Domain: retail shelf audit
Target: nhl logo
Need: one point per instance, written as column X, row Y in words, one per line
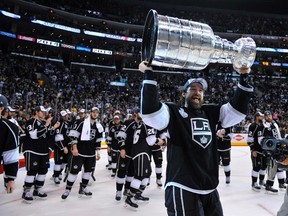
column 201, row 131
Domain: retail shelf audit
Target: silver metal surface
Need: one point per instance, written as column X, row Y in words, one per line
column 178, row 43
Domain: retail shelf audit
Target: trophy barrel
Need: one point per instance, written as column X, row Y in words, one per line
column 178, row 43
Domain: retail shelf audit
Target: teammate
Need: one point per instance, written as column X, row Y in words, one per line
column 109, row 124
column 126, row 169
column 12, row 118
column 9, row 142
column 113, row 143
column 82, row 114
column 61, row 147
column 86, row 138
column 144, row 137
column 271, row 129
column 224, row 150
column 259, row 161
column 36, row 153
column 157, row 155
column 192, row 174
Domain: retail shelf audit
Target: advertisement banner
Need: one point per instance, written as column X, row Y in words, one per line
column 239, row 139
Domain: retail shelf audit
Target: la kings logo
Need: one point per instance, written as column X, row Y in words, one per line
column 92, row 134
column 201, row 131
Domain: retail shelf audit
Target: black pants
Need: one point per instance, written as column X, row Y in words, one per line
column 180, row 202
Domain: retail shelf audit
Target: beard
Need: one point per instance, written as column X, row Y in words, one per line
column 192, row 105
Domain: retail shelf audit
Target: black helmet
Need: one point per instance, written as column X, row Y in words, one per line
column 3, row 101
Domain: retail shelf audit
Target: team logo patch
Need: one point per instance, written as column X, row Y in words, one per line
column 92, row 134
column 201, row 131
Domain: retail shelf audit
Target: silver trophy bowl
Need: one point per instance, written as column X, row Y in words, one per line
column 179, row 43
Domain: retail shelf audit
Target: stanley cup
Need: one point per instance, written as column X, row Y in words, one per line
column 178, row 43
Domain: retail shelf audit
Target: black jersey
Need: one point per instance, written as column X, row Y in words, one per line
column 224, row 143
column 37, row 137
column 192, row 139
column 51, row 134
column 109, row 124
column 86, row 148
column 126, row 135
column 161, row 135
column 61, row 138
column 113, row 136
column 144, row 137
column 9, row 142
column 192, row 156
column 255, row 135
column 271, row 129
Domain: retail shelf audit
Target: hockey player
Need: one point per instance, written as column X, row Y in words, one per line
column 36, row 153
column 259, row 162
column 125, row 168
column 12, row 118
column 192, row 174
column 9, row 142
column 224, row 149
column 157, row 155
column 61, row 147
column 271, row 129
column 86, row 138
column 144, row 137
column 113, row 143
column 108, row 124
column 82, row 114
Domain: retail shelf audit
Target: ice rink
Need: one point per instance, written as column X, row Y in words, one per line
column 237, row 198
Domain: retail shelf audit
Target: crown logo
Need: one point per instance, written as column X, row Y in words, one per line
column 203, row 140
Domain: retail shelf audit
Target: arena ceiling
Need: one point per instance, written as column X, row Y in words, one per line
column 263, row 6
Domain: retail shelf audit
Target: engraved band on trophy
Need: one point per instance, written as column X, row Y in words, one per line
column 178, row 43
